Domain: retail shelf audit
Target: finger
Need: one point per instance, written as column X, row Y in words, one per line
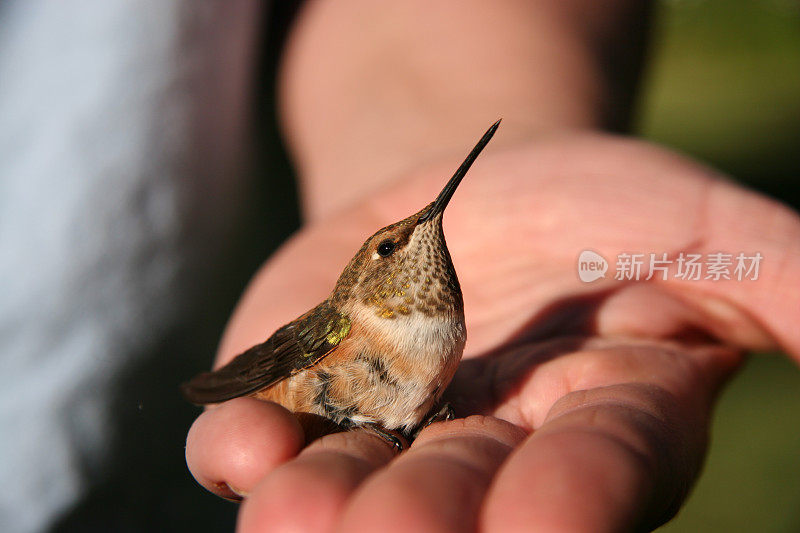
column 527, row 381
column 743, row 222
column 309, row 492
column 231, row 447
column 616, row 458
column 439, row 483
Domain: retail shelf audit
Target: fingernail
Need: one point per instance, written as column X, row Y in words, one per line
column 229, row 493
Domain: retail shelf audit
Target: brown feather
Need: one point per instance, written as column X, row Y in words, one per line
column 294, row 347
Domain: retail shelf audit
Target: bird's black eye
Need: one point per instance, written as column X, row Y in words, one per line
column 386, row 248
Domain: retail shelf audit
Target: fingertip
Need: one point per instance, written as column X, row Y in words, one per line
column 231, row 447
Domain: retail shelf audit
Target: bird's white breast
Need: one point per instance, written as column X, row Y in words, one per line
column 430, row 346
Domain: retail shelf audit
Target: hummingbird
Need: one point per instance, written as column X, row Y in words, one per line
column 378, row 353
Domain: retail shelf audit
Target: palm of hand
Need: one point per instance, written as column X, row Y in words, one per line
column 586, row 404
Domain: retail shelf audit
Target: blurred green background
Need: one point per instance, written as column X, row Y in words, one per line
column 723, row 85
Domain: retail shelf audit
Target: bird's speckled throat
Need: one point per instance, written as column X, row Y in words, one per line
column 419, row 278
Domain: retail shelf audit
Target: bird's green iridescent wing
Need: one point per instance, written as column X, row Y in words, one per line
column 294, row 347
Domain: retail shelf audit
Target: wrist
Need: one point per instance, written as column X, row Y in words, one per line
column 366, row 104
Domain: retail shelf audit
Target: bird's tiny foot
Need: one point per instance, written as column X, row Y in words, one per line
column 444, row 413
column 395, row 439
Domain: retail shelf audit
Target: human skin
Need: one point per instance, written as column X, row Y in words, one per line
column 582, row 407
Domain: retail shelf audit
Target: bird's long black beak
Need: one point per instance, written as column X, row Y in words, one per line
column 442, row 200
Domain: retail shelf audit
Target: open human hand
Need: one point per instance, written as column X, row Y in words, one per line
column 582, row 406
